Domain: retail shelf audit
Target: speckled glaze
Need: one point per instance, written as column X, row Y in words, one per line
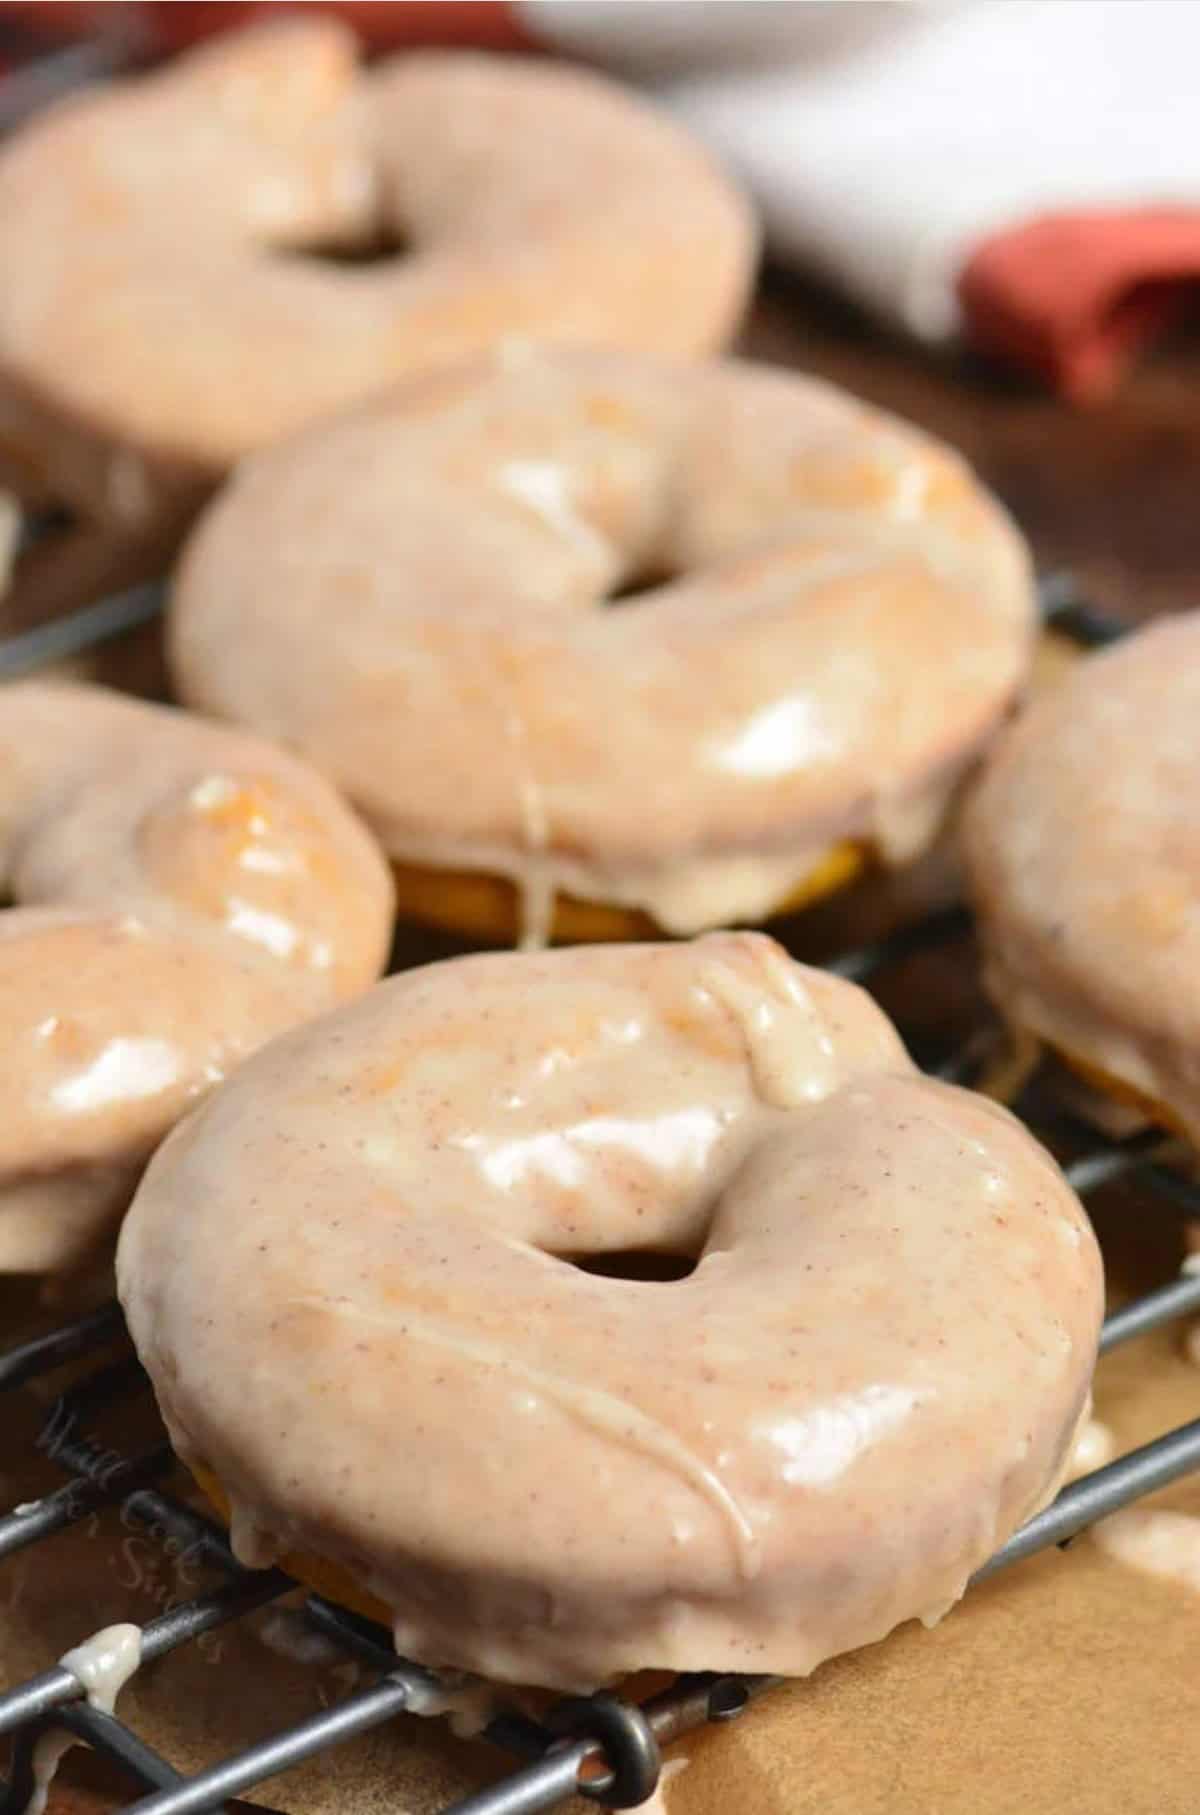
column 349, row 1275
column 851, row 617
column 154, row 324
column 1083, row 848
column 183, row 892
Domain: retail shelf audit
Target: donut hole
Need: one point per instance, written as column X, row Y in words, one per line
column 647, row 1266
column 633, row 587
column 382, row 245
column 636, row 585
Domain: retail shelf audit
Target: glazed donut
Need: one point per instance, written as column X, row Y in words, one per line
column 157, row 319
column 350, row 1277
column 1083, row 855
column 844, row 618
column 183, row 892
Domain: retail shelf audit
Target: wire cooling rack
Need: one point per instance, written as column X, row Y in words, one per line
column 603, row 1747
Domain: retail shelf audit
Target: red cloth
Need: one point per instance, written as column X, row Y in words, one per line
column 1075, row 297
column 483, row 23
column 53, row 20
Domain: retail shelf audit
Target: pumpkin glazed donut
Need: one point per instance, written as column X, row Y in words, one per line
column 350, row 1277
column 159, row 316
column 1083, row 857
column 182, row 893
column 837, row 618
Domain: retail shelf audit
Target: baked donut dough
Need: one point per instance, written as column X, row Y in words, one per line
column 156, row 321
column 409, row 595
column 183, row 892
column 350, row 1277
column 1083, row 853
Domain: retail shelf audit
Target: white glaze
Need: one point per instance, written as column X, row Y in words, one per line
column 158, row 213
column 105, row 1662
column 103, row 1665
column 1083, row 856
column 349, row 1278
column 468, row 1706
column 182, row 892
column 1094, row 1446
column 823, row 667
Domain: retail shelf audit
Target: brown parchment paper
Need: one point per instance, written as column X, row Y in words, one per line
column 1070, row 1684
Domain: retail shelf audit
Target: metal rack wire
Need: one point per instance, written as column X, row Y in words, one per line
column 603, row 1747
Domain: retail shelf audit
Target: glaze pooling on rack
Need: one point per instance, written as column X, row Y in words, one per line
column 102, row 1665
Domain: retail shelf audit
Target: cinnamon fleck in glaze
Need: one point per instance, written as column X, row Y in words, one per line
column 182, row 892
column 1083, row 849
column 160, row 317
column 418, row 587
column 351, row 1278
